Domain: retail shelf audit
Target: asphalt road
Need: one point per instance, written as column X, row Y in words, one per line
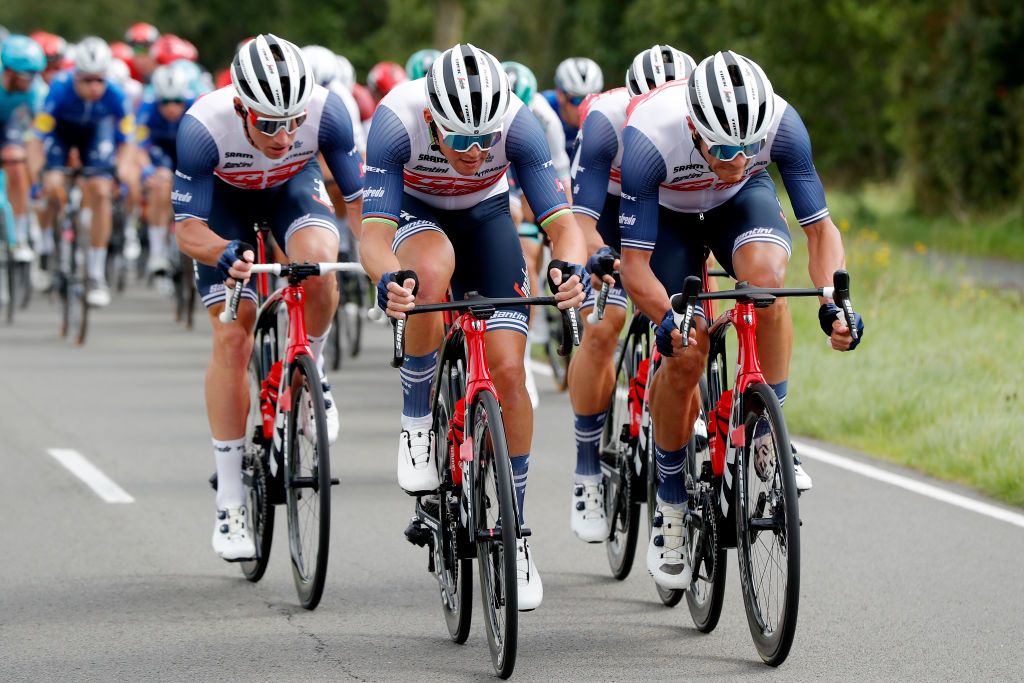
column 895, row 586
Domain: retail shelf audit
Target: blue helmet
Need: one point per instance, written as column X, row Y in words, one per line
column 21, row 53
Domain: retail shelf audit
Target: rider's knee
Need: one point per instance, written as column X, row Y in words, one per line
column 508, row 372
column 101, row 188
column 602, row 338
column 12, row 154
column 232, row 341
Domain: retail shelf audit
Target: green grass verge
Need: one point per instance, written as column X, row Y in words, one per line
column 885, row 209
column 936, row 384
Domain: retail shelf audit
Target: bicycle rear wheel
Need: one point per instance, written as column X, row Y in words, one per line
column 9, row 284
column 332, row 348
column 255, row 474
column 351, row 309
column 559, row 364
column 495, row 526
column 706, row 552
column 619, row 445
column 308, row 482
column 453, row 567
column 767, row 526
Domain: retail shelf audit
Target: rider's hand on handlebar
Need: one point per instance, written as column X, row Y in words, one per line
column 396, row 299
column 602, row 266
column 236, row 261
column 834, row 325
column 669, row 339
column 569, row 294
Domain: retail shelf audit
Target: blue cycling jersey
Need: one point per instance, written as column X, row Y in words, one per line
column 64, row 108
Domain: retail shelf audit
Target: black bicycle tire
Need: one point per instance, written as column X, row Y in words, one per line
column 559, row 365
column 9, row 266
column 310, row 591
column 774, row 649
column 354, row 330
column 81, row 279
column 261, row 510
column 707, row 614
column 23, row 274
column 457, row 620
column 621, row 563
column 486, row 419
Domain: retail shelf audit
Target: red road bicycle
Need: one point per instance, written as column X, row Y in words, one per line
column 474, row 513
column 287, row 456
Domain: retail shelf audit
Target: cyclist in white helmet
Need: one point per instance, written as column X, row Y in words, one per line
column 247, row 153
column 693, row 177
column 85, row 111
column 596, row 189
column 437, row 204
column 575, row 78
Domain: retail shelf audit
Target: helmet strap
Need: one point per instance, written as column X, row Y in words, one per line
column 434, row 146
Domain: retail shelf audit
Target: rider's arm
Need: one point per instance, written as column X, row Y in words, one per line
column 643, row 170
column 791, row 151
column 590, row 172
column 387, row 150
column 193, row 193
column 342, row 157
column 527, row 149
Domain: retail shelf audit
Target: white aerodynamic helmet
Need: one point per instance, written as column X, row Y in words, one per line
column 118, row 72
column 171, row 83
column 730, row 100
column 323, row 62
column 92, row 56
column 467, row 91
column 272, row 76
column 578, row 76
column 656, row 66
column 346, row 72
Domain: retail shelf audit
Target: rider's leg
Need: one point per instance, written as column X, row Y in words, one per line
column 13, row 158
column 158, row 192
column 97, row 192
column 763, row 264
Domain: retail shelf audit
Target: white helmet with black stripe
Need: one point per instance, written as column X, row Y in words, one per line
column 346, row 72
column 171, row 83
column 467, row 91
column 323, row 62
column 656, row 66
column 730, row 101
column 578, row 76
column 272, row 77
column 92, row 56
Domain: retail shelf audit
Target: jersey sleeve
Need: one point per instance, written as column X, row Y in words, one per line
column 593, row 165
column 527, row 149
column 643, row 170
column 387, row 150
column 338, row 146
column 46, row 119
column 193, row 178
column 552, row 127
column 143, row 134
column 124, row 120
column 791, row 151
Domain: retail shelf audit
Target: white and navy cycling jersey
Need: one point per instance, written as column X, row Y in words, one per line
column 661, row 166
column 596, row 171
column 552, row 127
column 212, row 143
column 339, row 89
column 401, row 159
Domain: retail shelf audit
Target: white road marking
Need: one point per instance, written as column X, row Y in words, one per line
column 1002, row 514
column 103, row 485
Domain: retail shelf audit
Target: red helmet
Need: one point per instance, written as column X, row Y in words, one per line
column 54, row 47
column 122, row 51
column 364, row 99
column 170, row 48
column 141, row 35
column 223, row 78
column 383, row 77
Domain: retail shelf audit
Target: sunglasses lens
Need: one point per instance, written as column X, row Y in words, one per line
column 730, row 152
column 462, row 143
column 271, row 126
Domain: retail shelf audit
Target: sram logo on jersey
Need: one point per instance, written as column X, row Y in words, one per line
column 181, row 197
column 687, row 167
column 626, row 220
column 241, row 155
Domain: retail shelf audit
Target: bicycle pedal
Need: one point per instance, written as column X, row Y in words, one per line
column 213, row 481
column 335, row 481
column 524, row 532
column 417, row 533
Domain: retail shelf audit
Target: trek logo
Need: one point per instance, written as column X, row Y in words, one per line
column 626, row 220
column 628, row 197
column 181, row 197
column 375, row 192
column 237, row 164
column 228, row 155
column 182, row 175
column 372, row 169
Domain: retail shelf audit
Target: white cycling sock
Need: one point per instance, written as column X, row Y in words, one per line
column 316, row 345
column 21, row 228
column 228, row 456
column 98, row 263
column 46, row 241
column 157, row 241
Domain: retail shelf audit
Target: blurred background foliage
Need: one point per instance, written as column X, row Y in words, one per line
column 929, row 92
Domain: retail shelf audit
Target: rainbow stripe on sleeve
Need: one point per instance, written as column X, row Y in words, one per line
column 552, row 214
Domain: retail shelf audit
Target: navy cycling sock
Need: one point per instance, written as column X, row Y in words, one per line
column 520, row 465
column 780, row 390
column 417, row 375
column 670, row 475
column 588, row 442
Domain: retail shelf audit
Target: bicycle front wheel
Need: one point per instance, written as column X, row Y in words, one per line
column 767, row 526
column 308, row 482
column 494, row 513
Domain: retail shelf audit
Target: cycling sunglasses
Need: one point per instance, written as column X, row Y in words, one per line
column 173, row 101
column 269, row 127
column 90, row 79
column 463, row 143
column 729, row 152
column 577, row 100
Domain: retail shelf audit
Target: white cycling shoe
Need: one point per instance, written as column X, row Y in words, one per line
column 331, row 410
column 231, row 537
column 530, row 589
column 98, row 294
column 417, row 472
column 588, row 520
column 666, row 553
column 23, row 254
column 803, row 480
